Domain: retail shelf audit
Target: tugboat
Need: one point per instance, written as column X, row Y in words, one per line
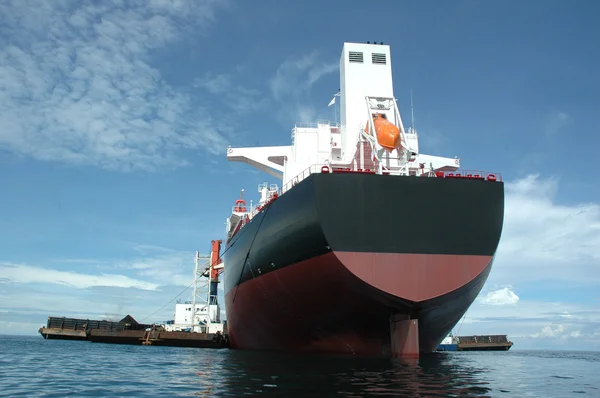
column 450, row 343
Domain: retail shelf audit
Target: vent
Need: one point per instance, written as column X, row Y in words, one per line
column 377, row 58
column 355, row 56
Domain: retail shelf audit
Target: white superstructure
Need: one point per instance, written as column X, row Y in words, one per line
column 450, row 339
column 203, row 313
column 366, row 93
column 184, row 314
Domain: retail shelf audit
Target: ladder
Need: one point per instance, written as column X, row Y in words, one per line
column 150, row 336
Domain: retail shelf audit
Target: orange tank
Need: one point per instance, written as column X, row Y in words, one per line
column 388, row 135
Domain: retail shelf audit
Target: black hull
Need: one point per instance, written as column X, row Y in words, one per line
column 328, row 218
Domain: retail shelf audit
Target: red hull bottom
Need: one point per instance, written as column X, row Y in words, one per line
column 355, row 303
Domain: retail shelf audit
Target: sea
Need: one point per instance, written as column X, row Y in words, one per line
column 33, row 367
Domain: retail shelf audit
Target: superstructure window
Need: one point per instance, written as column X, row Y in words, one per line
column 378, row 58
column 355, row 56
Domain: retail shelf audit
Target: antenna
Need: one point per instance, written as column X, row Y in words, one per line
column 333, row 103
column 412, row 112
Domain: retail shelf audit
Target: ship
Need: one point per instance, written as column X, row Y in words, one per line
column 449, row 343
column 367, row 246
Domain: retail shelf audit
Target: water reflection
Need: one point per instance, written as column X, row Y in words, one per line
column 275, row 374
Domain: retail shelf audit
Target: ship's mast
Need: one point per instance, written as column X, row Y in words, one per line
column 333, row 103
column 193, row 319
column 199, row 285
column 412, row 111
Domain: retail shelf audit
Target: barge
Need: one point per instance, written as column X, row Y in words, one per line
column 196, row 323
column 127, row 332
column 493, row 342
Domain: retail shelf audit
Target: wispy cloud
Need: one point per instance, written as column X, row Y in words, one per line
column 152, row 266
column 161, row 265
column 298, row 74
column 543, row 240
column 37, row 303
column 16, row 328
column 294, row 78
column 232, row 92
column 77, row 83
column 556, row 122
column 20, row 273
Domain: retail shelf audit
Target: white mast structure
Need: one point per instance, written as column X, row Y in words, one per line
column 205, row 292
column 201, row 294
column 366, row 88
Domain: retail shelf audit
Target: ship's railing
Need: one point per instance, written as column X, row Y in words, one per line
column 250, row 210
column 470, row 174
column 315, row 168
column 313, row 125
column 242, row 209
column 254, row 210
column 498, row 338
column 322, row 168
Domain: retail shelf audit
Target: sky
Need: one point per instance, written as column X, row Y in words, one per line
column 115, row 117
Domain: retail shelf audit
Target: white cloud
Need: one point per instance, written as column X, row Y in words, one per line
column 20, row 273
column 562, row 334
column 231, row 93
column 16, row 328
column 164, row 266
column 575, row 334
column 171, row 267
column 77, row 83
column 154, row 266
column 503, row 296
column 550, row 331
column 293, row 80
column 567, row 315
column 556, row 122
column 546, row 241
column 298, row 74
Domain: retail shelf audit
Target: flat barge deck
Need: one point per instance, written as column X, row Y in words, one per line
column 127, row 331
column 494, row 342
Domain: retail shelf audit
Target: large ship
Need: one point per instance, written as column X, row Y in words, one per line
column 369, row 247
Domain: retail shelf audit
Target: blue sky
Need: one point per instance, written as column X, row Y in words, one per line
column 115, row 118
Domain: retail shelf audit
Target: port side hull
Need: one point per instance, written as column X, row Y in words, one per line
column 323, row 267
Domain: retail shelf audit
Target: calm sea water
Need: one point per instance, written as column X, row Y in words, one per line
column 34, row 367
